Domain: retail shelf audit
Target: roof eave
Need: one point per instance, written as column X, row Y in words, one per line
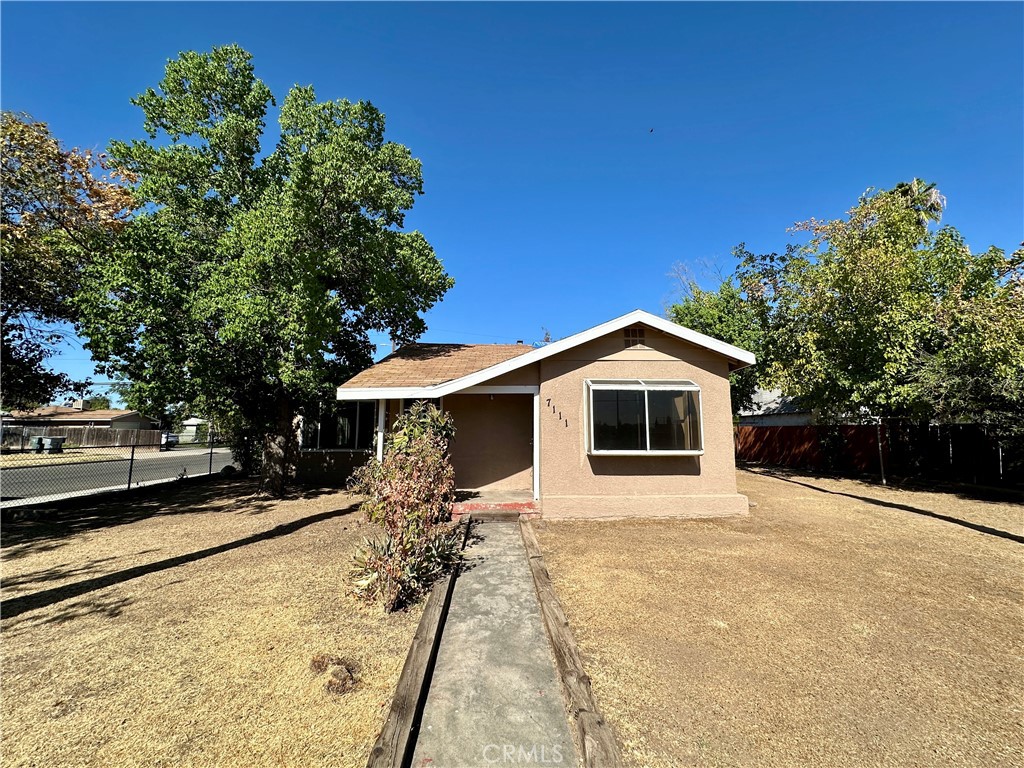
column 425, row 392
column 739, row 358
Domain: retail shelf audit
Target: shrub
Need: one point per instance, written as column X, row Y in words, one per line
column 409, row 493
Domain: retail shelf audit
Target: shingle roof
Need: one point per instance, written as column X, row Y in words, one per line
column 445, row 370
column 771, row 402
column 418, row 365
column 46, row 410
column 64, row 413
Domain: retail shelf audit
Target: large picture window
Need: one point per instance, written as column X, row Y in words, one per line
column 645, row 417
column 340, row 425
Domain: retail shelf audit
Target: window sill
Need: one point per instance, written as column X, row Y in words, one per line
column 646, row 453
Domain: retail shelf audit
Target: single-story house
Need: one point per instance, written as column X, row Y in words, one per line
column 77, row 416
column 771, row 408
column 194, row 429
column 629, row 418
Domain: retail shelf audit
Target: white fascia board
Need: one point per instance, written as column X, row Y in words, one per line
column 698, row 339
column 387, row 393
column 556, row 347
column 427, row 393
column 741, row 356
column 525, row 389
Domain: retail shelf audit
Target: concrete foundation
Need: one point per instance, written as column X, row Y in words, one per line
column 612, row 507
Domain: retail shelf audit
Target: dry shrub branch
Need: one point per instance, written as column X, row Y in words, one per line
column 409, row 493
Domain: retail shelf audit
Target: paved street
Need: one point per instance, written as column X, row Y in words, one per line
column 21, row 483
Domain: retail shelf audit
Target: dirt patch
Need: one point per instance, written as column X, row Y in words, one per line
column 322, row 662
column 343, row 673
column 182, row 632
column 839, row 624
column 342, row 680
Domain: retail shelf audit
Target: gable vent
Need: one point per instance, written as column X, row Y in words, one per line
column 633, row 337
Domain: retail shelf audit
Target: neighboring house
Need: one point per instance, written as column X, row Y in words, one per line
column 193, row 429
column 75, row 416
column 631, row 417
column 771, row 408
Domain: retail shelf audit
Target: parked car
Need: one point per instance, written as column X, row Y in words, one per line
column 168, row 440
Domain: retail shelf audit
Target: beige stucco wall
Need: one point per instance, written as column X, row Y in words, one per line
column 575, row 484
column 527, row 376
column 493, row 446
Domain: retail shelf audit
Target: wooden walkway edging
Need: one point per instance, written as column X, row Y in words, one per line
column 397, row 741
column 595, row 736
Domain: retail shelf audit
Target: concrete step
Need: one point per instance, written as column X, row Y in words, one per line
column 490, row 511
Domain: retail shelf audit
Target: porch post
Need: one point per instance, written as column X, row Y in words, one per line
column 536, row 445
column 380, row 429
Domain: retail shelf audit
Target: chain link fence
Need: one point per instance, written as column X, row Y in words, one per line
column 37, row 468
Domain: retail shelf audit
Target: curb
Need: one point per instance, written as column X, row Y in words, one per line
column 595, row 737
column 397, row 740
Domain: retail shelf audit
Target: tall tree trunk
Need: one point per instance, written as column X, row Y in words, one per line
column 278, row 449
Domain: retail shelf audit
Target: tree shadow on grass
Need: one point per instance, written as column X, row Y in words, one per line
column 16, row 606
column 51, row 527
column 983, row 493
column 109, row 606
column 58, row 572
column 788, row 478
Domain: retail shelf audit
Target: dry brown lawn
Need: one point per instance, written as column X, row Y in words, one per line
column 182, row 630
column 837, row 625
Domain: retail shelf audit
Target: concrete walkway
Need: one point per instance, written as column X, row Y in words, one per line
column 495, row 698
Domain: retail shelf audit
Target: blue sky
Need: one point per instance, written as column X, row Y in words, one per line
column 547, row 196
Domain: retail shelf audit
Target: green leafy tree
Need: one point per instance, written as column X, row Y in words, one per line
column 877, row 314
column 976, row 375
column 723, row 314
column 97, row 403
column 246, row 286
column 60, row 207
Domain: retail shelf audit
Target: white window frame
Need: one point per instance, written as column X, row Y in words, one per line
column 645, row 386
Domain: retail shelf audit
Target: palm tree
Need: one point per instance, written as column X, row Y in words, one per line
column 923, row 198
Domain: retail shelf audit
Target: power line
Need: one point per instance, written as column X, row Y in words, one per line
column 470, row 333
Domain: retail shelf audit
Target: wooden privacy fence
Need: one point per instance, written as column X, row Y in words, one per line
column 83, row 437
column 950, row 452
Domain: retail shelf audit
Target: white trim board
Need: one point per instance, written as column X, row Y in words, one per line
column 525, row 389
column 740, row 357
column 536, row 445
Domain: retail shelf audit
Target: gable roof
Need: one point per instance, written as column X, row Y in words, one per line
column 422, row 387
column 66, row 413
column 418, row 365
column 771, row 402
